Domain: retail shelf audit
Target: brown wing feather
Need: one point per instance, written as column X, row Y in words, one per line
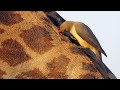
column 85, row 32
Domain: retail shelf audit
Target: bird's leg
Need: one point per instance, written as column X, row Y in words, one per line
column 81, row 48
column 88, row 52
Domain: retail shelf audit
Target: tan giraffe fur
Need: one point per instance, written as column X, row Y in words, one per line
column 30, row 48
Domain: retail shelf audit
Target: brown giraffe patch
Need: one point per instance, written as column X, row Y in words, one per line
column 2, row 73
column 46, row 22
column 89, row 66
column 58, row 67
column 88, row 76
column 1, row 31
column 38, row 39
column 9, row 17
column 12, row 53
column 33, row 74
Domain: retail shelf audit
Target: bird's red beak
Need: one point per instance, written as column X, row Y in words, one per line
column 60, row 31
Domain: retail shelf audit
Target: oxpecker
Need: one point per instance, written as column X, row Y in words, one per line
column 85, row 37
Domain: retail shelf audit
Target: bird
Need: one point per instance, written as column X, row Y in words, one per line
column 86, row 38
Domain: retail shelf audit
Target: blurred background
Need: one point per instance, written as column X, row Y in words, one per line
column 106, row 27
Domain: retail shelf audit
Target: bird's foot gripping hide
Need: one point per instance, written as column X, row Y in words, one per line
column 82, row 48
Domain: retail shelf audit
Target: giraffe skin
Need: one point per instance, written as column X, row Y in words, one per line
column 31, row 49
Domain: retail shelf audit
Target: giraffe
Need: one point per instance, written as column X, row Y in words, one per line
column 31, row 49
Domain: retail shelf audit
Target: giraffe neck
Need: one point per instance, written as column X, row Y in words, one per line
column 29, row 48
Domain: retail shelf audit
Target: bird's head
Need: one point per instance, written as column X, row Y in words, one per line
column 65, row 26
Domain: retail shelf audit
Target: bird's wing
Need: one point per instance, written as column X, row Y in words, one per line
column 85, row 33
